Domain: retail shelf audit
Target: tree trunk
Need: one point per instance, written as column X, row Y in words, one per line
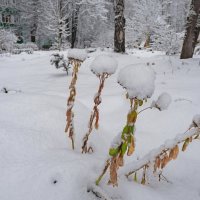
column 60, row 31
column 119, row 38
column 196, row 33
column 74, row 26
column 191, row 33
column 34, row 27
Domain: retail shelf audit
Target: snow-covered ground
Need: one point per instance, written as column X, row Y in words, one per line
column 36, row 160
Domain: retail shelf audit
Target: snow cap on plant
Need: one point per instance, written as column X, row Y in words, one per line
column 104, row 64
column 77, row 54
column 138, row 80
column 163, row 102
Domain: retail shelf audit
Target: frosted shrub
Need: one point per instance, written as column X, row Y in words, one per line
column 103, row 67
column 167, row 40
column 76, row 58
column 28, row 45
column 59, row 62
column 155, row 161
column 7, row 40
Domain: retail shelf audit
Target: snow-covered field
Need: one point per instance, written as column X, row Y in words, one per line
column 36, row 160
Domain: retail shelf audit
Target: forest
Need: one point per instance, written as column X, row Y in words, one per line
column 61, row 24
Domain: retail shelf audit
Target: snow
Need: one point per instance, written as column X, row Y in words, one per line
column 138, row 80
column 35, row 152
column 116, row 141
column 78, row 54
column 104, row 64
column 163, row 101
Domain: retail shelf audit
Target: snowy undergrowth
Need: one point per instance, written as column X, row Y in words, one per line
column 36, row 161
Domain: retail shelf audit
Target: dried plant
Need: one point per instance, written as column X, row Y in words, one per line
column 70, row 102
column 94, row 117
column 158, row 159
column 124, row 144
column 103, row 66
column 130, row 78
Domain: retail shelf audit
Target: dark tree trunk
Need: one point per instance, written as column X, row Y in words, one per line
column 74, row 26
column 196, row 33
column 34, row 27
column 119, row 38
column 191, row 33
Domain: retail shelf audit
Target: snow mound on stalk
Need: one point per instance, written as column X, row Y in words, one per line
column 138, row 80
column 78, row 54
column 104, row 64
column 163, row 101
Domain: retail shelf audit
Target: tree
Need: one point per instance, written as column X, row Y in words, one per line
column 145, row 19
column 119, row 35
column 30, row 14
column 75, row 7
column 191, row 30
column 196, row 32
column 93, row 22
column 56, row 19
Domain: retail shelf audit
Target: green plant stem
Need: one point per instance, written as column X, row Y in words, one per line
column 144, row 109
column 104, row 171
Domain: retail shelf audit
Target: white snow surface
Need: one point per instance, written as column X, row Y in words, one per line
column 104, row 64
column 78, row 54
column 138, row 80
column 36, row 160
column 163, row 101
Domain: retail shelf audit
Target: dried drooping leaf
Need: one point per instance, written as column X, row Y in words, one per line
column 171, row 154
column 132, row 117
column 164, row 161
column 143, row 182
column 135, row 177
column 157, row 163
column 176, row 152
column 97, row 120
column 113, row 172
column 131, row 148
column 186, row 143
column 120, row 160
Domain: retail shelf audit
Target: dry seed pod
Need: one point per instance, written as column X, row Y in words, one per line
column 176, row 152
column 185, row 144
column 131, row 148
